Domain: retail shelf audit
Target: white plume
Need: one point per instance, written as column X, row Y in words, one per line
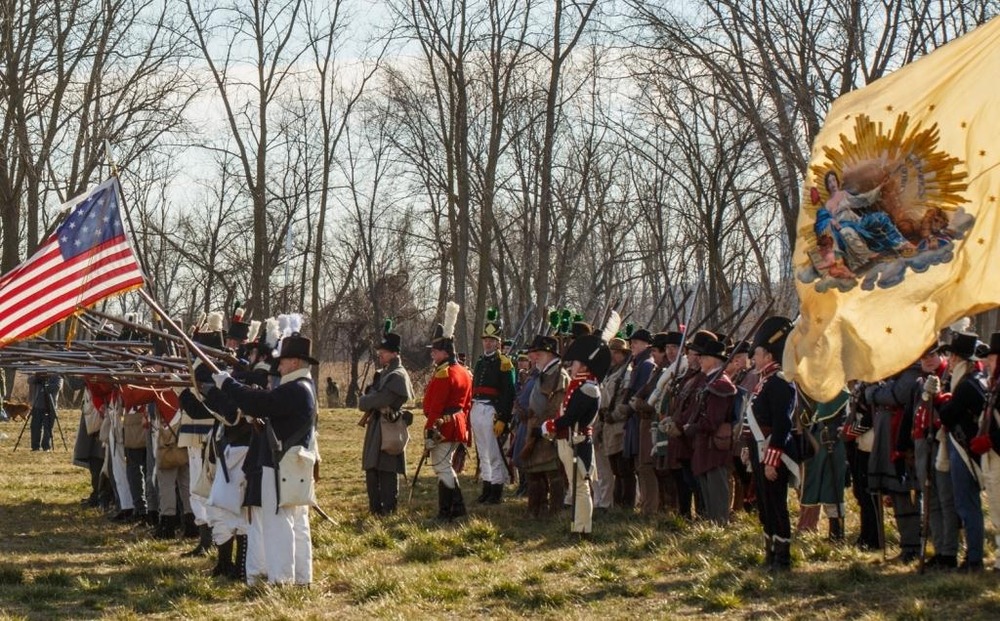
column 287, row 324
column 271, row 332
column 962, row 325
column 213, row 323
column 254, row 328
column 196, row 327
column 450, row 319
column 611, row 327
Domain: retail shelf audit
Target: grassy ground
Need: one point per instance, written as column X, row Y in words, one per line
column 58, row 560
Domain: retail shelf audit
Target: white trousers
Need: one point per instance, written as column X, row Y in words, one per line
column 583, row 511
column 226, row 513
column 287, row 537
column 491, row 467
column 197, row 502
column 256, row 562
column 440, row 458
column 116, row 452
column 604, row 481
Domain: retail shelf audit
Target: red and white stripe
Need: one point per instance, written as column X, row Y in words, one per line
column 46, row 289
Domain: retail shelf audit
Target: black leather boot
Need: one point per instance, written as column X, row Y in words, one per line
column 457, row 502
column 190, row 527
column 782, row 555
column 444, row 501
column 836, row 530
column 487, row 492
column 224, row 565
column 239, row 571
column 768, row 551
column 204, row 542
column 167, row 528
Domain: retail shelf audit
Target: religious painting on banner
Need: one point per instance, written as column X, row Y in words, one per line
column 896, row 233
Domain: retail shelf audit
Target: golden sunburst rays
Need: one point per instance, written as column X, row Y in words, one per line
column 905, row 167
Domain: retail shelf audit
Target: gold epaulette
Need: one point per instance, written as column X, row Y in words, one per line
column 506, row 364
column 442, row 371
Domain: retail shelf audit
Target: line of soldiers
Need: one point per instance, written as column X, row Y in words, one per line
column 654, row 421
column 230, row 459
column 925, row 443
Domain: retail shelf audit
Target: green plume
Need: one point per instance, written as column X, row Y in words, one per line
column 491, row 314
column 629, row 329
column 387, row 326
column 554, row 320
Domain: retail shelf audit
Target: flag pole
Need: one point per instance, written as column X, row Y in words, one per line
column 128, row 216
column 192, row 347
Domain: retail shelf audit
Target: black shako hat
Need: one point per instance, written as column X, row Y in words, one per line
column 995, row 343
column 542, row 342
column 390, row 342
column 591, row 351
column 295, row 346
column 771, row 335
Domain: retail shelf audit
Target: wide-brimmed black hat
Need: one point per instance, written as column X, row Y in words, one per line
column 642, row 334
column 743, row 347
column 699, row 339
column 542, row 342
column 660, row 340
column 772, row 335
column 674, row 337
column 295, row 346
column 591, row 351
column 715, row 349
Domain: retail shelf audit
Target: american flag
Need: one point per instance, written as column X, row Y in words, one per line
column 86, row 259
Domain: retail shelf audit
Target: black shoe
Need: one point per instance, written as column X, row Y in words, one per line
column 939, row 561
column 970, row 568
column 204, row 542
column 152, row 518
column 495, row 495
column 487, row 492
column 125, row 515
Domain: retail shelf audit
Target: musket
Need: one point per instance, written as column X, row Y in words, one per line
column 656, row 309
column 708, row 315
column 416, row 473
column 925, row 500
column 677, row 309
column 520, row 327
column 218, row 354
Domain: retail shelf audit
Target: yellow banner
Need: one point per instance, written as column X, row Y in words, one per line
column 898, row 233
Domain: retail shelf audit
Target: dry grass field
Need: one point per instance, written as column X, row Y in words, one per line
column 58, row 560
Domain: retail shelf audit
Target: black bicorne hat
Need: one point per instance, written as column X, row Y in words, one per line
column 591, row 351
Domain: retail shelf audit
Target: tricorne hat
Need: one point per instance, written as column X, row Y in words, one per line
column 715, row 349
column 642, row 334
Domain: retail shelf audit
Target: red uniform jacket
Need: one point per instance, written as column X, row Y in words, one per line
column 449, row 392
column 166, row 400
